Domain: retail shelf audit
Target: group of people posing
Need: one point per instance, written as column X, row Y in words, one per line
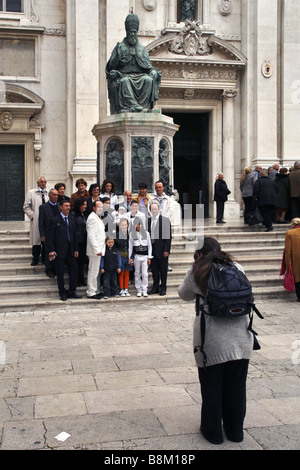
column 117, row 241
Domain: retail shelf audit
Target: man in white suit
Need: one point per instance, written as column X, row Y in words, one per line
column 95, row 249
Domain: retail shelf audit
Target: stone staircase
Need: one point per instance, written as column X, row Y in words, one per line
column 260, row 253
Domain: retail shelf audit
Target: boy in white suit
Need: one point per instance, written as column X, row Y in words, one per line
column 95, row 248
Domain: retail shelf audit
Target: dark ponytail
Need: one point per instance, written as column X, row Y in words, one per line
column 209, row 253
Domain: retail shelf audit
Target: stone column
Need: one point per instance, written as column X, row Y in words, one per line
column 172, row 14
column 205, row 17
column 83, row 86
column 231, row 207
column 228, row 139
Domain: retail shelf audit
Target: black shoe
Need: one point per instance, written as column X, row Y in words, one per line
column 96, row 296
column 212, row 440
column 34, row 262
column 163, row 292
column 50, row 274
column 63, row 297
column 153, row 292
column 74, row 296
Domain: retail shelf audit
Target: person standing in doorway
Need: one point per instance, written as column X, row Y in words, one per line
column 221, row 196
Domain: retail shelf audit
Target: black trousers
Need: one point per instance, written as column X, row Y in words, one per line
column 71, row 263
column 49, row 264
column 248, row 201
column 297, row 289
column 37, row 250
column 295, row 206
column 110, row 283
column 223, row 389
column 220, row 210
column 159, row 269
column 266, row 212
column 81, row 261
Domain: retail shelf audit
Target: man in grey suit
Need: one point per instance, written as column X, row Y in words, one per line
column 46, row 212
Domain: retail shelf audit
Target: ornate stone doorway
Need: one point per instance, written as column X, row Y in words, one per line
column 191, row 159
column 11, row 182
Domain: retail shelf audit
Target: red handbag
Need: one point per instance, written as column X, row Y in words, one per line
column 288, row 281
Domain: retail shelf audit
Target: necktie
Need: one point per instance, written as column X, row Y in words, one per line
column 67, row 222
column 43, row 197
column 153, row 227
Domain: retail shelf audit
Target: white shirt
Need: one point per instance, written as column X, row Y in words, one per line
column 165, row 204
column 139, row 240
column 113, row 199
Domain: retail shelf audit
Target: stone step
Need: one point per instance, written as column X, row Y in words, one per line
column 259, row 252
column 25, row 302
column 42, row 286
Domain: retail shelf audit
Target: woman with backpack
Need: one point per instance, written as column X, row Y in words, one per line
column 223, row 368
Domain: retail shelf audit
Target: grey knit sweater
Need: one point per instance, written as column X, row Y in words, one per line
column 226, row 339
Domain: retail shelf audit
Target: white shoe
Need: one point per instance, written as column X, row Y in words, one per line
column 145, row 294
column 105, row 297
column 126, row 293
column 139, row 294
column 122, row 292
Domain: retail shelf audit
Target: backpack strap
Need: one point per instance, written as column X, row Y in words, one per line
column 252, row 305
column 200, row 308
column 256, row 343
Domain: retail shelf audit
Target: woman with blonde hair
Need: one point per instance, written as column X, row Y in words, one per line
column 246, row 187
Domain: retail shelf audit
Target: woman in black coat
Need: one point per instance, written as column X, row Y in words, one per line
column 264, row 194
column 80, row 216
column 220, row 196
column 282, row 205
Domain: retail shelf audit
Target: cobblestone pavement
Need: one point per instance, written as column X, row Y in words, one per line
column 121, row 376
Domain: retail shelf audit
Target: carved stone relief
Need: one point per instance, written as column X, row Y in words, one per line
column 149, row 4
column 225, row 7
column 197, row 73
column 189, row 40
column 6, row 120
column 142, row 161
column 115, row 164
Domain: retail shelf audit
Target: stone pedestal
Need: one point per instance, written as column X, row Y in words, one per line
column 135, row 138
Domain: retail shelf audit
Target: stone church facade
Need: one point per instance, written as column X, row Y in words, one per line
column 230, row 80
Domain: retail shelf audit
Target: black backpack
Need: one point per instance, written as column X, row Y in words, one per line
column 229, row 294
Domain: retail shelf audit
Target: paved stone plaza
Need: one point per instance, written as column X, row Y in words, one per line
column 120, row 375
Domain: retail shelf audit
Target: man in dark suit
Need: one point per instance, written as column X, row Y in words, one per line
column 159, row 228
column 63, row 248
column 46, row 212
